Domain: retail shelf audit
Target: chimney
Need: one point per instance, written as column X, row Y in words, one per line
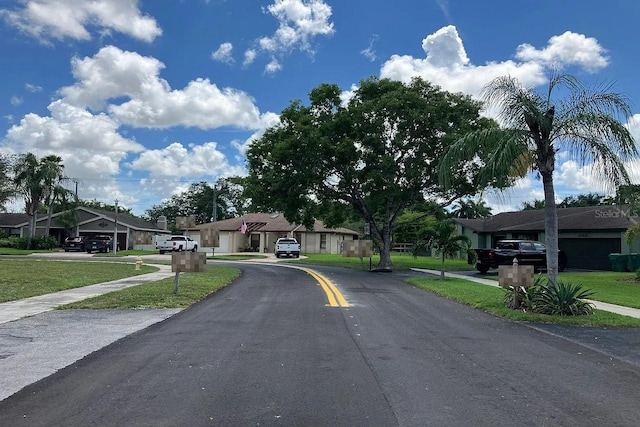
column 162, row 222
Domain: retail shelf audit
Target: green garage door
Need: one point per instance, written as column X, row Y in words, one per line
column 589, row 254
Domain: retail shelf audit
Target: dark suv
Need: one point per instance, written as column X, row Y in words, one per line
column 74, row 243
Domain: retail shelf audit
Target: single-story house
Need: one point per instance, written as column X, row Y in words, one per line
column 132, row 232
column 586, row 234
column 262, row 230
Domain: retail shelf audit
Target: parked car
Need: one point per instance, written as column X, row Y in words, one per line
column 177, row 244
column 74, row 243
column 287, row 246
column 527, row 252
column 99, row 243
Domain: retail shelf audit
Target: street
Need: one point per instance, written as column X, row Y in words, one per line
column 270, row 350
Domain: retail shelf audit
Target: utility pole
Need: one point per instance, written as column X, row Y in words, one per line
column 214, row 214
column 115, row 232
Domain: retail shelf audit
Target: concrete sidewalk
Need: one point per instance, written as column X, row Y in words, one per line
column 618, row 309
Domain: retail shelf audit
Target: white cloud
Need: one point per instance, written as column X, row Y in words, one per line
column 300, row 21
column 223, row 54
column 179, row 161
column 370, row 52
column 16, row 100
column 113, row 73
column 62, row 19
column 249, row 56
column 273, row 67
column 447, row 64
column 32, row 88
column 69, row 128
column 567, row 49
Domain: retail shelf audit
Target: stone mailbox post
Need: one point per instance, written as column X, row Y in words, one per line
column 188, row 262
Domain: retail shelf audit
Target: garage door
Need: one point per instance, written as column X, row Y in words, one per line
column 589, row 254
column 224, row 243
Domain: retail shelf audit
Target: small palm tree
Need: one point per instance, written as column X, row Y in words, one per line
column 37, row 180
column 536, row 126
column 444, row 238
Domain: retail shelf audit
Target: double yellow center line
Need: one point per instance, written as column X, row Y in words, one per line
column 333, row 294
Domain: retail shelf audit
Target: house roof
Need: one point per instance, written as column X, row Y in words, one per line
column 615, row 218
column 271, row 222
column 14, row 220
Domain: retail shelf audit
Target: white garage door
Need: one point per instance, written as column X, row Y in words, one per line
column 224, row 243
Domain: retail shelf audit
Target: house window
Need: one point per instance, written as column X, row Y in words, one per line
column 323, row 241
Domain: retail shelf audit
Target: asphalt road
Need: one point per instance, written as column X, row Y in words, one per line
column 268, row 350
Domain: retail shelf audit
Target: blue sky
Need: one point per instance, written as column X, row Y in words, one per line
column 142, row 98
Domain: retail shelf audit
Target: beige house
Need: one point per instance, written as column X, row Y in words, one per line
column 262, row 230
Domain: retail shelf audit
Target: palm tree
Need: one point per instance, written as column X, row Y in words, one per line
column 471, row 209
column 6, row 187
column 533, row 205
column 37, row 180
column 444, row 238
column 536, row 126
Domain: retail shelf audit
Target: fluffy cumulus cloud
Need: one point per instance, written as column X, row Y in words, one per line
column 116, row 74
column 115, row 88
column 177, row 160
column 70, row 19
column 567, row 49
column 300, row 22
column 446, row 62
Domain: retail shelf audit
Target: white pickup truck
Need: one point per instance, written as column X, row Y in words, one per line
column 287, row 246
column 177, row 244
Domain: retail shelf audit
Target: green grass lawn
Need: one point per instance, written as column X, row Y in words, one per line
column 12, row 251
column 193, row 287
column 608, row 286
column 399, row 261
column 23, row 278
column 491, row 299
column 239, row 257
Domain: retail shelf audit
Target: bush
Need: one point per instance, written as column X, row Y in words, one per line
column 563, row 299
column 14, row 243
column 39, row 242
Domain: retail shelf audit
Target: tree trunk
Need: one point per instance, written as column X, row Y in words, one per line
column 385, row 252
column 442, row 268
column 550, row 227
column 32, row 231
column 49, row 211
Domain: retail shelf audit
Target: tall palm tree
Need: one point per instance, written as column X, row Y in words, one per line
column 585, row 124
column 37, row 180
column 6, row 187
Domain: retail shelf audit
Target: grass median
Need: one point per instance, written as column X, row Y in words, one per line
column 400, row 262
column 193, row 287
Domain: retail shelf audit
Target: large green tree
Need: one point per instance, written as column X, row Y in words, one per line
column 371, row 157
column 38, row 181
column 198, row 201
column 583, row 123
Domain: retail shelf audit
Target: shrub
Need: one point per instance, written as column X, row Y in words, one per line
column 44, row 242
column 14, row 242
column 563, row 299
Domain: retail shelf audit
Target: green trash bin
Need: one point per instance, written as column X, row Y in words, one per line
column 619, row 262
column 634, row 262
